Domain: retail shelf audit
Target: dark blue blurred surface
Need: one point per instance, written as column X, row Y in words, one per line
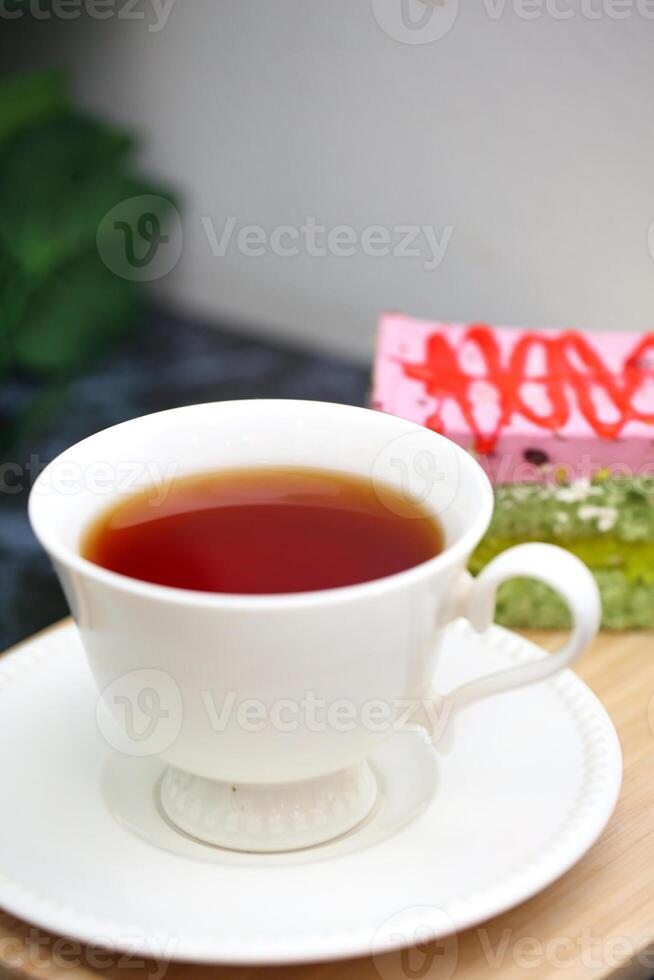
column 168, row 362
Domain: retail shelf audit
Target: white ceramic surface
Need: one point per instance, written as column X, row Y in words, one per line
column 278, row 817
column 528, row 784
column 373, row 642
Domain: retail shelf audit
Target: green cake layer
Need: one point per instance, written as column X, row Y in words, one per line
column 607, row 522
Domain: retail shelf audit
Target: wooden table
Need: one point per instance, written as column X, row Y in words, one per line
column 597, row 921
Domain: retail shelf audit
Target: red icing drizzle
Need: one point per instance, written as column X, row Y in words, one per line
column 572, row 368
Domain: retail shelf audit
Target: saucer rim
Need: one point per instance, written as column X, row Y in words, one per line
column 601, row 789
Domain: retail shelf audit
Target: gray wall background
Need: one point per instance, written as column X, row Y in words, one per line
column 529, row 133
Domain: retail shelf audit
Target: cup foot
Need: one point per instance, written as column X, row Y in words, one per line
column 261, row 818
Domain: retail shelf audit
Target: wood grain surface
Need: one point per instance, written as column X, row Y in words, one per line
column 596, row 921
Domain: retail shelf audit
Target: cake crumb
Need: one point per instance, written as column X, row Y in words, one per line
column 606, row 517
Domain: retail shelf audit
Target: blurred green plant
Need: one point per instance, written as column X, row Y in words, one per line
column 60, row 306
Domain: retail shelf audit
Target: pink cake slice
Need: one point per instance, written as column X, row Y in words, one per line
column 529, row 402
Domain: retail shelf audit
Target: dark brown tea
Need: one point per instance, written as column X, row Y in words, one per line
column 262, row 531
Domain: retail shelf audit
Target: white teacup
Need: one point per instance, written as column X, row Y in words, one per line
column 238, row 692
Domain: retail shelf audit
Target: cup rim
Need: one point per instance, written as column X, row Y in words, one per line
column 72, row 559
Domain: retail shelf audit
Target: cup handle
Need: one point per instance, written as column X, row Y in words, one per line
column 557, row 568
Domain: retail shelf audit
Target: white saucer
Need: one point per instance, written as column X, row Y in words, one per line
column 527, row 786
